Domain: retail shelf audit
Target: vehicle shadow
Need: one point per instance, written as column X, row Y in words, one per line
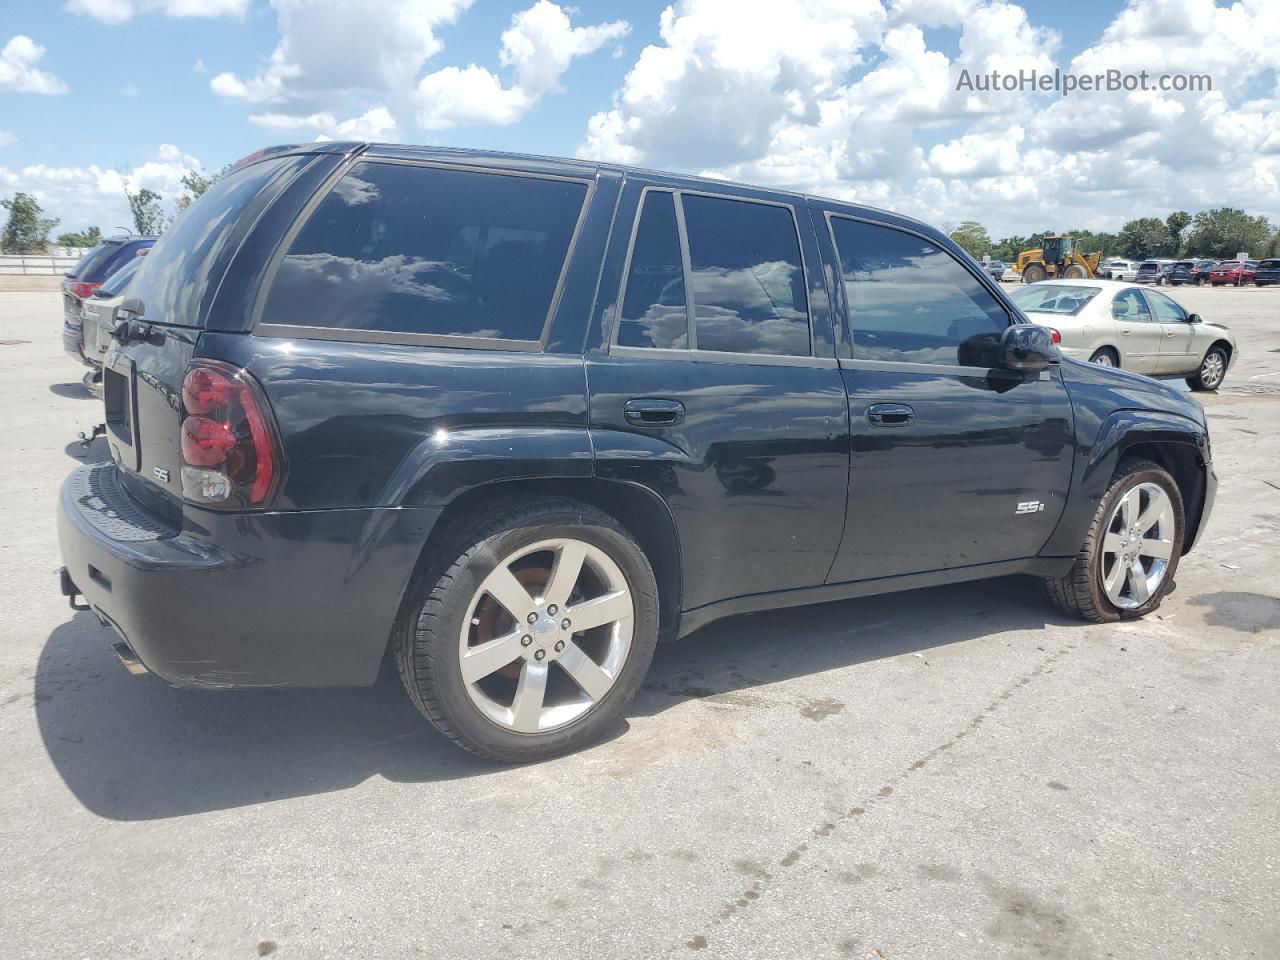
column 75, row 391
column 133, row 748
column 94, row 452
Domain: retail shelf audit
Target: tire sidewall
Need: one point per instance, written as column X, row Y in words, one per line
column 452, row 606
column 1199, row 377
column 1119, row 487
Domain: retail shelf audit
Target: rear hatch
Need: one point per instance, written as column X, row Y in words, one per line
column 160, row 321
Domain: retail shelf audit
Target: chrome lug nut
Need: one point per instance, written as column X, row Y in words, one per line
column 551, row 610
column 526, row 640
column 540, row 655
column 564, row 624
column 532, row 618
column 559, row 645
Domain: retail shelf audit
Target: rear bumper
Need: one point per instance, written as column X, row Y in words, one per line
column 239, row 600
column 73, row 341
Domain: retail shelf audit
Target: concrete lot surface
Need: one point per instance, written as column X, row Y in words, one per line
column 951, row 773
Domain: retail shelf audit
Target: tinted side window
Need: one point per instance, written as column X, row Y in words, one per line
column 184, row 268
column 912, row 302
column 747, row 277
column 89, row 264
column 653, row 307
column 410, row 249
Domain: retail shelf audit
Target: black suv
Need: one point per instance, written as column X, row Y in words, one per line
column 1267, row 273
column 513, row 420
column 1191, row 271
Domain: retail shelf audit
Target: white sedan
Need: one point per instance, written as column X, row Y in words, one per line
column 1137, row 328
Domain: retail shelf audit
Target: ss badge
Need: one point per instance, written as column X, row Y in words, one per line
column 160, row 473
column 1029, row 506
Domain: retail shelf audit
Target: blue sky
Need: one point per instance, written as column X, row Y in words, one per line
column 854, row 99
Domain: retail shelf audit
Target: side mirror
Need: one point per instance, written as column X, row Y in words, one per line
column 1027, row 347
column 1193, row 318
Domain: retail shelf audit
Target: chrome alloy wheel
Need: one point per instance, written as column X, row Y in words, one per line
column 1213, row 369
column 1104, row 360
column 1137, row 545
column 546, row 635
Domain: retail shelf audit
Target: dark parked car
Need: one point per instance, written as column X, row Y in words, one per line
column 80, row 337
column 1233, row 272
column 1155, row 271
column 995, row 268
column 79, row 283
column 1267, row 273
column 515, row 419
column 1191, row 272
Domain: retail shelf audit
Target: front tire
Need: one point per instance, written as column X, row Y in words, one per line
column 1130, row 554
column 1034, row 273
column 535, row 632
column 1105, row 357
column 1213, row 370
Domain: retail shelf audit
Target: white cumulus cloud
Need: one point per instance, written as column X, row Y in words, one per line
column 18, row 71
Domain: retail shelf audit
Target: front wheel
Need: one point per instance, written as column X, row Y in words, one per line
column 1034, row 273
column 537, row 634
column 1213, row 369
column 1130, row 552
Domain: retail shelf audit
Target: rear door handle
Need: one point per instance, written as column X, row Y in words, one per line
column 653, row 412
column 890, row 414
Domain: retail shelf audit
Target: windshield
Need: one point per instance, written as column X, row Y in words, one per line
column 1269, row 265
column 1183, row 263
column 1053, row 298
column 1228, row 264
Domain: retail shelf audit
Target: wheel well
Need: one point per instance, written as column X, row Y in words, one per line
column 1183, row 462
column 1106, row 347
column 640, row 511
column 1224, row 345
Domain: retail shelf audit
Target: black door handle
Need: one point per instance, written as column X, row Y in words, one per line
column 890, row 414
column 652, row 412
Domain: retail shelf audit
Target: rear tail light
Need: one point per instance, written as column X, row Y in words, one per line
column 1057, row 337
column 230, row 446
column 82, row 290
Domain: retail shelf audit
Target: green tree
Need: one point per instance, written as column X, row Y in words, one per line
column 148, row 219
column 1143, row 238
column 1008, row 248
column 88, row 238
column 1177, row 222
column 27, row 230
column 194, row 185
column 1224, row 232
column 973, row 237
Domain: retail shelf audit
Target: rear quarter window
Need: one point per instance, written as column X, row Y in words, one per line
column 180, row 275
column 409, row 250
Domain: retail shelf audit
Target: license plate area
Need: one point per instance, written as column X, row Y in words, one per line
column 120, row 398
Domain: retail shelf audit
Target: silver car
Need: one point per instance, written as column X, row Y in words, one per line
column 1122, row 325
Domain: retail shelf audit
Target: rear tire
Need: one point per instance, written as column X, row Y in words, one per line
column 1075, row 272
column 522, row 709
column 1118, row 575
column 1105, row 357
column 1213, row 370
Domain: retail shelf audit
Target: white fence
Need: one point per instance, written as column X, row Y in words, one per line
column 41, row 264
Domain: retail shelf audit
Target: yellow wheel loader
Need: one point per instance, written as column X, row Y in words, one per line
column 1057, row 257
